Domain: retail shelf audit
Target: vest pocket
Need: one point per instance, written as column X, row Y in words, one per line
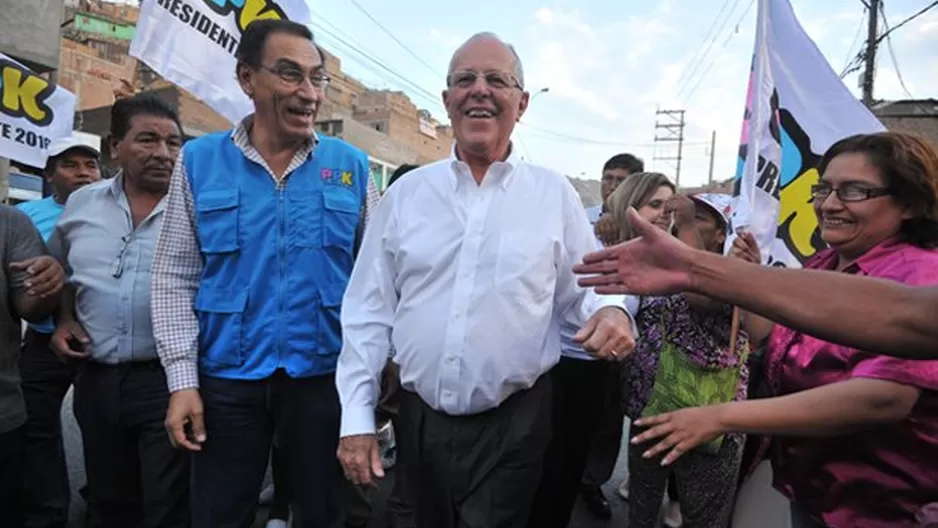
column 216, row 213
column 221, row 312
column 340, row 216
column 330, row 326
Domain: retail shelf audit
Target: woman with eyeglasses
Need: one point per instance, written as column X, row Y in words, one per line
column 854, row 434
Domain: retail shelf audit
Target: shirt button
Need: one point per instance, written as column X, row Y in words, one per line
column 451, row 359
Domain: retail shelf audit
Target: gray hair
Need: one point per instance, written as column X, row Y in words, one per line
column 488, row 35
column 635, row 192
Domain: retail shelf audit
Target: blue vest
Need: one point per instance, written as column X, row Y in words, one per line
column 277, row 258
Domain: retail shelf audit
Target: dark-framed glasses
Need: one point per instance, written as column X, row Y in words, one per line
column 848, row 193
column 295, row 76
column 495, row 80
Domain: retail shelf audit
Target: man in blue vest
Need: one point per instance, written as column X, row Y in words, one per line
column 252, row 262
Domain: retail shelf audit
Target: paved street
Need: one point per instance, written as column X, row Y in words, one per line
column 761, row 507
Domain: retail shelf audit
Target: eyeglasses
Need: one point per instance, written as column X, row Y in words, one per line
column 117, row 267
column 493, row 79
column 848, row 193
column 295, row 77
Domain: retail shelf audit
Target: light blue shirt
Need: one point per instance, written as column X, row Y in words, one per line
column 107, row 262
column 569, row 348
column 44, row 214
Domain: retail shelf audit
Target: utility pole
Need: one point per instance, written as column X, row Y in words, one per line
column 872, row 37
column 673, row 127
column 713, row 150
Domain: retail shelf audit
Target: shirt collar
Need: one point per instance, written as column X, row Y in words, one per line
column 867, row 261
column 241, row 137
column 502, row 171
column 116, row 189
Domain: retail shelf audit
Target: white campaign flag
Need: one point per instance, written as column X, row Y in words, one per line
column 796, row 108
column 191, row 43
column 33, row 113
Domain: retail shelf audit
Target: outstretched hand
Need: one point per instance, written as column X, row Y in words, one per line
column 654, row 263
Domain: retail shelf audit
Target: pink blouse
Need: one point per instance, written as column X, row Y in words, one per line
column 881, row 476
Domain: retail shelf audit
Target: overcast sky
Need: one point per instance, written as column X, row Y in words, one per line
column 610, row 65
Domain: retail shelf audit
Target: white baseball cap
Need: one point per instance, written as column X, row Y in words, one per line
column 70, row 142
column 721, row 204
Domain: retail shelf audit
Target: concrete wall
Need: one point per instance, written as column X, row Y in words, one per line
column 29, row 30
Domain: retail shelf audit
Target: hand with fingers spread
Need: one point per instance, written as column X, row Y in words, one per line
column 680, row 431
column 607, row 334
column 653, row 263
column 606, row 230
column 185, row 420
column 746, row 248
column 46, row 275
column 70, row 341
column 361, row 459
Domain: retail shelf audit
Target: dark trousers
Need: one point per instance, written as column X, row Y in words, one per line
column 135, row 477
column 400, row 506
column 705, row 485
column 579, row 393
column 46, row 380
column 356, row 500
column 241, row 418
column 604, row 452
column 476, row 471
column 12, row 448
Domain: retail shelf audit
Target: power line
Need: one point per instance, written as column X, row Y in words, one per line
column 725, row 42
column 924, row 10
column 693, row 61
column 849, row 61
column 707, row 52
column 393, row 37
column 550, row 134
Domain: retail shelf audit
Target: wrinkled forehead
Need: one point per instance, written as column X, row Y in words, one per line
column 291, row 50
column 483, row 55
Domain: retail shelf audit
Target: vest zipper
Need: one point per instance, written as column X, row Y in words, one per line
column 280, row 262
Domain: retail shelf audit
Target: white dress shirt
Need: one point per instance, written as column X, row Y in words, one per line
column 468, row 283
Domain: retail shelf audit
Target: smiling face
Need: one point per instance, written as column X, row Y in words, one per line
column 287, row 86
column 483, row 98
column 853, row 228
column 653, row 209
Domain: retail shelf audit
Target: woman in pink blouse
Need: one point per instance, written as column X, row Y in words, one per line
column 855, row 435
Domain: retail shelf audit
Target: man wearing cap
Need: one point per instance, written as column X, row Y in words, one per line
column 71, row 164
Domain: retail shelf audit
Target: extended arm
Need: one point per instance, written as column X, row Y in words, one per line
column 25, row 250
column 871, row 314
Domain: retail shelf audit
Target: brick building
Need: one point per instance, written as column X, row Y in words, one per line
column 919, row 116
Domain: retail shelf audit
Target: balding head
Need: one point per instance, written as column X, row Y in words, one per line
column 517, row 70
column 484, row 98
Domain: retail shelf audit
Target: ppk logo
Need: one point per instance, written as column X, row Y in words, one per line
column 23, row 94
column 247, row 11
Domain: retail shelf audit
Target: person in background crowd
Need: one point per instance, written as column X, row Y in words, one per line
column 480, row 271
column 46, row 378
column 30, row 286
column 584, row 391
column 400, row 506
column 604, row 448
column 400, row 171
column 105, row 240
column 684, row 359
column 249, row 273
column 849, row 427
column 615, row 171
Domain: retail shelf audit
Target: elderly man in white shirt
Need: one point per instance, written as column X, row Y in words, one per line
column 466, row 272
